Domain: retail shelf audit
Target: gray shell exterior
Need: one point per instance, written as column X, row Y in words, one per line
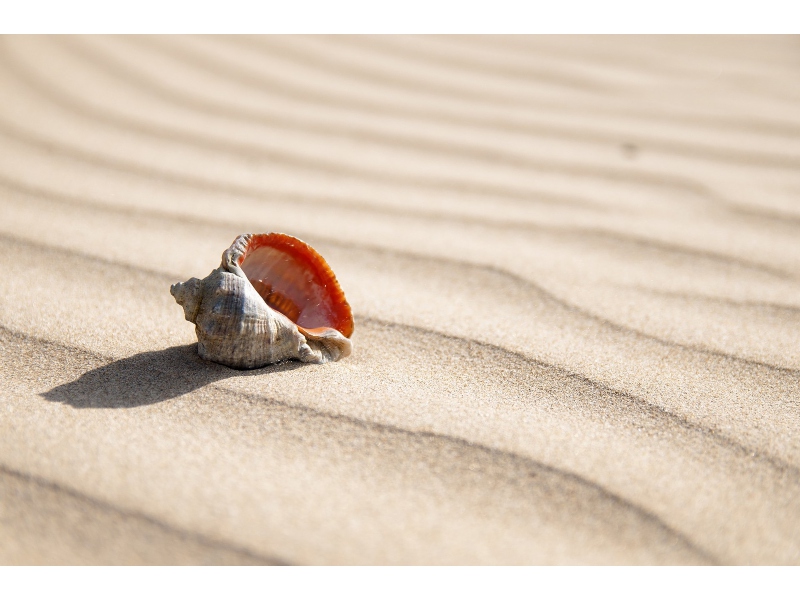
column 236, row 327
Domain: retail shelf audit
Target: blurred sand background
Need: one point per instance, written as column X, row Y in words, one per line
column 574, row 264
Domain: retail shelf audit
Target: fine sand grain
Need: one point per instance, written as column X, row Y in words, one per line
column 574, row 264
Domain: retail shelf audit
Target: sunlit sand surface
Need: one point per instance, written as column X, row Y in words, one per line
column 574, row 264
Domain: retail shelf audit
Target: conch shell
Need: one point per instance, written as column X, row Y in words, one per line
column 273, row 298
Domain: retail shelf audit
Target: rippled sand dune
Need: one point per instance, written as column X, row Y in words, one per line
column 574, row 264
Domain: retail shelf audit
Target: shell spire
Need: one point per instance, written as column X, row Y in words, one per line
column 272, row 298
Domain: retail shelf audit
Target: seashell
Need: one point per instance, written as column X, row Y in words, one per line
column 273, row 298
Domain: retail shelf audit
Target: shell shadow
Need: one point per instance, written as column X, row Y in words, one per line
column 148, row 378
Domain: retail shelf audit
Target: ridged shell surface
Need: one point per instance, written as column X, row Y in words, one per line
column 239, row 327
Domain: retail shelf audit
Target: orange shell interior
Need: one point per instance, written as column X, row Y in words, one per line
column 296, row 281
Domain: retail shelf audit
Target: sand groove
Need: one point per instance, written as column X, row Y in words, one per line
column 285, row 156
column 574, row 266
column 45, row 520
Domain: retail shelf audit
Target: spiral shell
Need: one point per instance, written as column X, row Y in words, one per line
column 273, row 298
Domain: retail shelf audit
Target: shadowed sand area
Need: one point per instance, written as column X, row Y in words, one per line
column 574, row 264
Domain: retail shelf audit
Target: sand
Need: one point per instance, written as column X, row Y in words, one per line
column 574, row 264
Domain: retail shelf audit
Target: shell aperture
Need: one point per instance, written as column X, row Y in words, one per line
column 296, row 281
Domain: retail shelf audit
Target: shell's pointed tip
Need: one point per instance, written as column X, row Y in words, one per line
column 181, row 291
column 188, row 294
